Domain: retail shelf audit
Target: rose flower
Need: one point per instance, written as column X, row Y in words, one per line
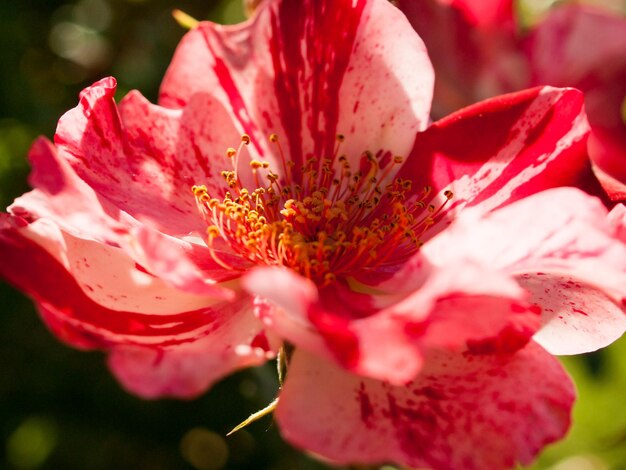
column 287, row 194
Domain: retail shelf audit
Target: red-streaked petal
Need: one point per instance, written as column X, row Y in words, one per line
column 112, row 279
column 588, row 45
column 145, row 158
column 563, row 249
column 388, row 343
column 187, row 370
column 184, row 264
column 577, row 318
column 293, row 309
column 60, row 195
column 463, row 411
column 172, row 151
column 163, row 342
column 91, row 137
column 308, row 70
column 502, row 150
column 78, row 319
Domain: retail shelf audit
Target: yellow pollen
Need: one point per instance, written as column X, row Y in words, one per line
column 321, row 218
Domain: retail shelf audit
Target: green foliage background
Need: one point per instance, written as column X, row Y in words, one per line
column 60, row 408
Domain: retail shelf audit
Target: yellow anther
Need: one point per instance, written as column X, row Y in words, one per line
column 198, row 190
column 213, row 231
column 317, row 220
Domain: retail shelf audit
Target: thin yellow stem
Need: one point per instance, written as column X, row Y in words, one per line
column 256, row 416
column 185, row 20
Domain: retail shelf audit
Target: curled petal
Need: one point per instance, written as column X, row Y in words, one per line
column 144, row 159
column 62, row 196
column 589, row 44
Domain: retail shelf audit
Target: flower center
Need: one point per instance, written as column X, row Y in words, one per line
column 323, row 220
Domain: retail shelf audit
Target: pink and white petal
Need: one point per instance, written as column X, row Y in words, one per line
column 132, row 160
column 282, row 302
column 80, row 319
column 388, row 343
column 561, row 246
column 436, row 316
column 577, row 318
column 189, row 369
column 109, row 277
column 183, row 263
column 292, row 309
column 60, row 195
column 172, row 151
column 463, row 411
column 308, row 85
column 501, row 150
column 562, row 230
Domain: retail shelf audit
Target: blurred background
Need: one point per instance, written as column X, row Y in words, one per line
column 60, row 408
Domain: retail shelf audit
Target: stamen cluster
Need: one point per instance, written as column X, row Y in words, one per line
column 323, row 219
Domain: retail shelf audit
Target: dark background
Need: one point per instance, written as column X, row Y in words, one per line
column 60, row 408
